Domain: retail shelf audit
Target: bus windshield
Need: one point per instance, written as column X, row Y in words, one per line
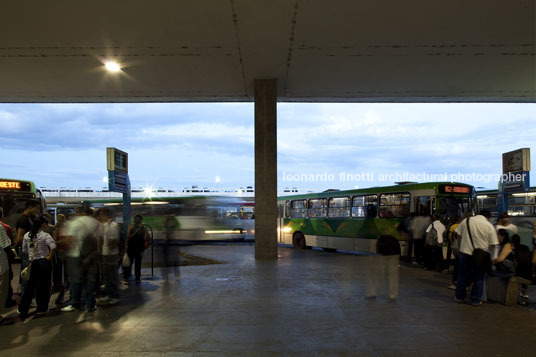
column 455, row 206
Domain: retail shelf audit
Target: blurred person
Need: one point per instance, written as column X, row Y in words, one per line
column 10, row 259
column 403, row 229
column 109, row 259
column 40, row 248
column 506, row 261
column 435, row 237
column 82, row 233
column 24, row 225
column 476, row 233
column 503, row 222
column 5, row 280
column 59, row 271
column 454, row 248
column 137, row 241
column 170, row 263
column 417, row 227
column 523, row 256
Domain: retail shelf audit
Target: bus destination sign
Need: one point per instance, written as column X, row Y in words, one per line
column 454, row 189
column 15, row 185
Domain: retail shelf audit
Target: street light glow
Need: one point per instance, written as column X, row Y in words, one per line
column 112, row 66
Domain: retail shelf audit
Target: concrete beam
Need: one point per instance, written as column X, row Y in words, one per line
column 265, row 169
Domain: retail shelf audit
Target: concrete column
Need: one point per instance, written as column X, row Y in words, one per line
column 266, row 169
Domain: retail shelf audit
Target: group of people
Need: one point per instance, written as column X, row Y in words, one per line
column 82, row 254
column 466, row 238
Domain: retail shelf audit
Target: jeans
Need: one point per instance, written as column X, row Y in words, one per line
column 433, row 257
column 83, row 282
column 467, row 274
column 39, row 285
column 109, row 265
column 135, row 259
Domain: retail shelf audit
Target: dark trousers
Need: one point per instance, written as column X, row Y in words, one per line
column 418, row 245
column 109, row 265
column 467, row 274
column 135, row 259
column 433, row 257
column 39, row 285
column 9, row 298
column 83, row 278
column 456, row 266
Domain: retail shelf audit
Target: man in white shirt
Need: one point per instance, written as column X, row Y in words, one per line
column 434, row 252
column 484, row 236
column 5, row 243
column 417, row 227
column 109, row 259
column 504, row 223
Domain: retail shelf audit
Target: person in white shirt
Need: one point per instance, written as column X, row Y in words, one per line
column 504, row 223
column 434, row 252
column 5, row 243
column 417, row 226
column 483, row 236
column 82, row 267
column 109, row 259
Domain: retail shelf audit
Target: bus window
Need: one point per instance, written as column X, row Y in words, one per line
column 424, row 205
column 298, row 208
column 287, row 209
column 454, row 206
column 364, row 206
column 394, row 205
column 317, row 208
column 338, row 207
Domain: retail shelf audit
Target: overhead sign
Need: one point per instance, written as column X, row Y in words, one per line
column 516, row 161
column 117, row 160
column 117, row 181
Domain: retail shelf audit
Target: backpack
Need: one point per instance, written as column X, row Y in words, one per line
column 431, row 236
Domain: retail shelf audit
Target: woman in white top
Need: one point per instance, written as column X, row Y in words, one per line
column 40, row 248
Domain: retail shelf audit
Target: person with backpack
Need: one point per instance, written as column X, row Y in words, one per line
column 82, row 234
column 434, row 238
column 40, row 248
column 138, row 240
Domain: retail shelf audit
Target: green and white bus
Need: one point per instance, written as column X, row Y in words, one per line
column 354, row 219
column 13, row 197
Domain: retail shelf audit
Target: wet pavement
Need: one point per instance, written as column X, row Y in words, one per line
column 309, row 303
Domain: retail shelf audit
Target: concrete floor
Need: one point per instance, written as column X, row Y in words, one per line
column 308, row 303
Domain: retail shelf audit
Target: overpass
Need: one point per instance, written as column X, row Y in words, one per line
column 268, row 51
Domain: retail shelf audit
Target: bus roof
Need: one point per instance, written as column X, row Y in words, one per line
column 377, row 189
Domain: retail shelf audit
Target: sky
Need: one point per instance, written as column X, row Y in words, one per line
column 320, row 145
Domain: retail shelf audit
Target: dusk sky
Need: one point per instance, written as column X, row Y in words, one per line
column 178, row 145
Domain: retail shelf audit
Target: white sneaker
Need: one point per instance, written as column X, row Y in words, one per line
column 68, row 308
column 103, row 300
column 113, row 301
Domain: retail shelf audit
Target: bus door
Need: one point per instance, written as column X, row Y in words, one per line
column 424, row 205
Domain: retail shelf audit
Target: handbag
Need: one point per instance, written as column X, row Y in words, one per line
column 126, row 261
column 25, row 273
column 481, row 258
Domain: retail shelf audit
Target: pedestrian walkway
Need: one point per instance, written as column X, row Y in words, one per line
column 307, row 303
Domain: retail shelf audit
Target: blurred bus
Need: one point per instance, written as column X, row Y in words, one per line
column 13, row 197
column 354, row 219
column 195, row 218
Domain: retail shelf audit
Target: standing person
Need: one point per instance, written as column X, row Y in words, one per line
column 82, row 260
column 524, row 263
column 109, row 258
column 5, row 281
column 417, row 227
column 59, row 272
column 24, row 225
column 454, row 247
column 483, row 236
column 10, row 260
column 40, row 248
column 504, row 223
column 137, row 241
column 435, row 237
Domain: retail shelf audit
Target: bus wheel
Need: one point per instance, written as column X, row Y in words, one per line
column 298, row 241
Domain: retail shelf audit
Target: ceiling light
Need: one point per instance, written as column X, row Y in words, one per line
column 112, row 66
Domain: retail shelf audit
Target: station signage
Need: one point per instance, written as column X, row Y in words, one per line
column 15, row 185
column 116, row 160
column 516, row 161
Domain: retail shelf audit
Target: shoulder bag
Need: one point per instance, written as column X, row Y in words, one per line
column 481, row 258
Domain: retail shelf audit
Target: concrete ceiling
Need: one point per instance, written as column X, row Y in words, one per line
column 211, row 50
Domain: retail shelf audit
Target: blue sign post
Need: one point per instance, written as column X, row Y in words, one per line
column 515, row 178
column 118, row 181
